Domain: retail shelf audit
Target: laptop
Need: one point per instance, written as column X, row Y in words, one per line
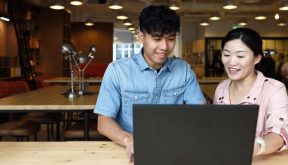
column 194, row 134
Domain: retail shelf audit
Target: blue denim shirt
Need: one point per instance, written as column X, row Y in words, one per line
column 132, row 81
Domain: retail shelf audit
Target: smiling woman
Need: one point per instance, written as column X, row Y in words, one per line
column 242, row 50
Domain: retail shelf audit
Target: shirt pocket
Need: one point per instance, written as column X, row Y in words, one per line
column 134, row 97
column 174, row 95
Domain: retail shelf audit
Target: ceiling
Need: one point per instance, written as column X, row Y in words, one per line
column 191, row 10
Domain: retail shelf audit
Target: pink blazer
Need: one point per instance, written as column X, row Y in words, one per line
column 271, row 96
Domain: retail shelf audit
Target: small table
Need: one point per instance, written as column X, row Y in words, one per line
column 51, row 99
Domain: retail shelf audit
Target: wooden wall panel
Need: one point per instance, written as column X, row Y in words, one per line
column 51, row 40
column 100, row 35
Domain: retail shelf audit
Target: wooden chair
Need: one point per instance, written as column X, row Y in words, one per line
column 75, row 130
column 14, row 127
column 19, row 129
column 50, row 119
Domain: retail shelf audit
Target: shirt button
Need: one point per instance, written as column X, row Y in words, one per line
column 266, row 80
column 254, row 98
column 175, row 93
column 281, row 119
column 135, row 97
column 248, row 97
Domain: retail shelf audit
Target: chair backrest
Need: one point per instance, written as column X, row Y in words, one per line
column 95, row 69
column 8, row 88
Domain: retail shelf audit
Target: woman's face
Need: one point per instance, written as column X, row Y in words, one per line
column 239, row 60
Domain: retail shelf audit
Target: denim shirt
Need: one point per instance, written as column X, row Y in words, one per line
column 132, row 81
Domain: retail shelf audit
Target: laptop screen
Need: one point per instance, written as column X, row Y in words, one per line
column 194, row 134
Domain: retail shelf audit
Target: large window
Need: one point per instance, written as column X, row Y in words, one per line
column 122, row 50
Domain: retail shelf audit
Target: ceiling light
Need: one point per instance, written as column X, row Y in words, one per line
column 57, row 6
column 260, row 17
column 204, row 23
column 5, row 18
column 127, row 23
column 174, row 5
column 281, row 23
column 242, row 23
column 284, row 6
column 122, row 17
column 131, row 28
column 230, row 5
column 115, row 5
column 89, row 22
column 76, row 2
column 276, row 16
column 215, row 18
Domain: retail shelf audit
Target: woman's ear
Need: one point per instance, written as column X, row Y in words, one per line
column 257, row 59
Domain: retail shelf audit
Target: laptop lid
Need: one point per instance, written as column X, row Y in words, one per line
column 194, row 134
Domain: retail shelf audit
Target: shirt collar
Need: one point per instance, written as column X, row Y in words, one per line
column 253, row 95
column 143, row 65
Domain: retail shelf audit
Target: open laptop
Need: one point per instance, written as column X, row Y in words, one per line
column 194, row 134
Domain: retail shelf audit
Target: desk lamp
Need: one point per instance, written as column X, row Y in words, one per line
column 69, row 54
column 78, row 59
column 83, row 60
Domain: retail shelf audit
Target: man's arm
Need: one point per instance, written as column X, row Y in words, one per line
column 111, row 129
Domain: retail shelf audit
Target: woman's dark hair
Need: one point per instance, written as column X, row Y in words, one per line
column 249, row 37
column 159, row 20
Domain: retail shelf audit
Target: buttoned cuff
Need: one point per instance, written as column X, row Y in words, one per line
column 283, row 133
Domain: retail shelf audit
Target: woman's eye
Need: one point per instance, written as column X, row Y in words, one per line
column 240, row 56
column 226, row 55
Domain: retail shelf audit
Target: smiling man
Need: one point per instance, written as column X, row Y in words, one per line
column 150, row 77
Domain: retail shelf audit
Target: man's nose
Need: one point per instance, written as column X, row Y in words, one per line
column 164, row 44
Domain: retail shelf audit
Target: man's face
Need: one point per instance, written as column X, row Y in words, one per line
column 157, row 48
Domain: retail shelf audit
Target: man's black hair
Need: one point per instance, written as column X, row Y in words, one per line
column 159, row 20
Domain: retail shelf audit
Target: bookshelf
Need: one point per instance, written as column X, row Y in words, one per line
column 9, row 67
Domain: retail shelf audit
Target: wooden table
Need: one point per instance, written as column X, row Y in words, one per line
column 85, row 153
column 63, row 80
column 51, row 99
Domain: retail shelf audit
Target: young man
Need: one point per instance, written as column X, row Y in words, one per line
column 150, row 77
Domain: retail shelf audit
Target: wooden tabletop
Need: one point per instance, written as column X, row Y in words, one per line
column 49, row 98
column 85, row 153
column 68, row 79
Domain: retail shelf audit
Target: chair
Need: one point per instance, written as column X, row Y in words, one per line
column 76, row 129
column 46, row 118
column 14, row 127
column 19, row 129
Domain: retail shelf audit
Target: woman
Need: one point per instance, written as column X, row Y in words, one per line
column 241, row 51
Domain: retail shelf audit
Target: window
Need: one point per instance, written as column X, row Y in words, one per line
column 123, row 50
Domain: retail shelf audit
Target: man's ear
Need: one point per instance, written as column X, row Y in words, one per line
column 140, row 36
column 257, row 59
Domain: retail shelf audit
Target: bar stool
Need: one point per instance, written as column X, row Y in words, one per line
column 45, row 118
column 76, row 131
column 20, row 129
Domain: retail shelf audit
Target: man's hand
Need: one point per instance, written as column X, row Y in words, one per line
column 128, row 142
